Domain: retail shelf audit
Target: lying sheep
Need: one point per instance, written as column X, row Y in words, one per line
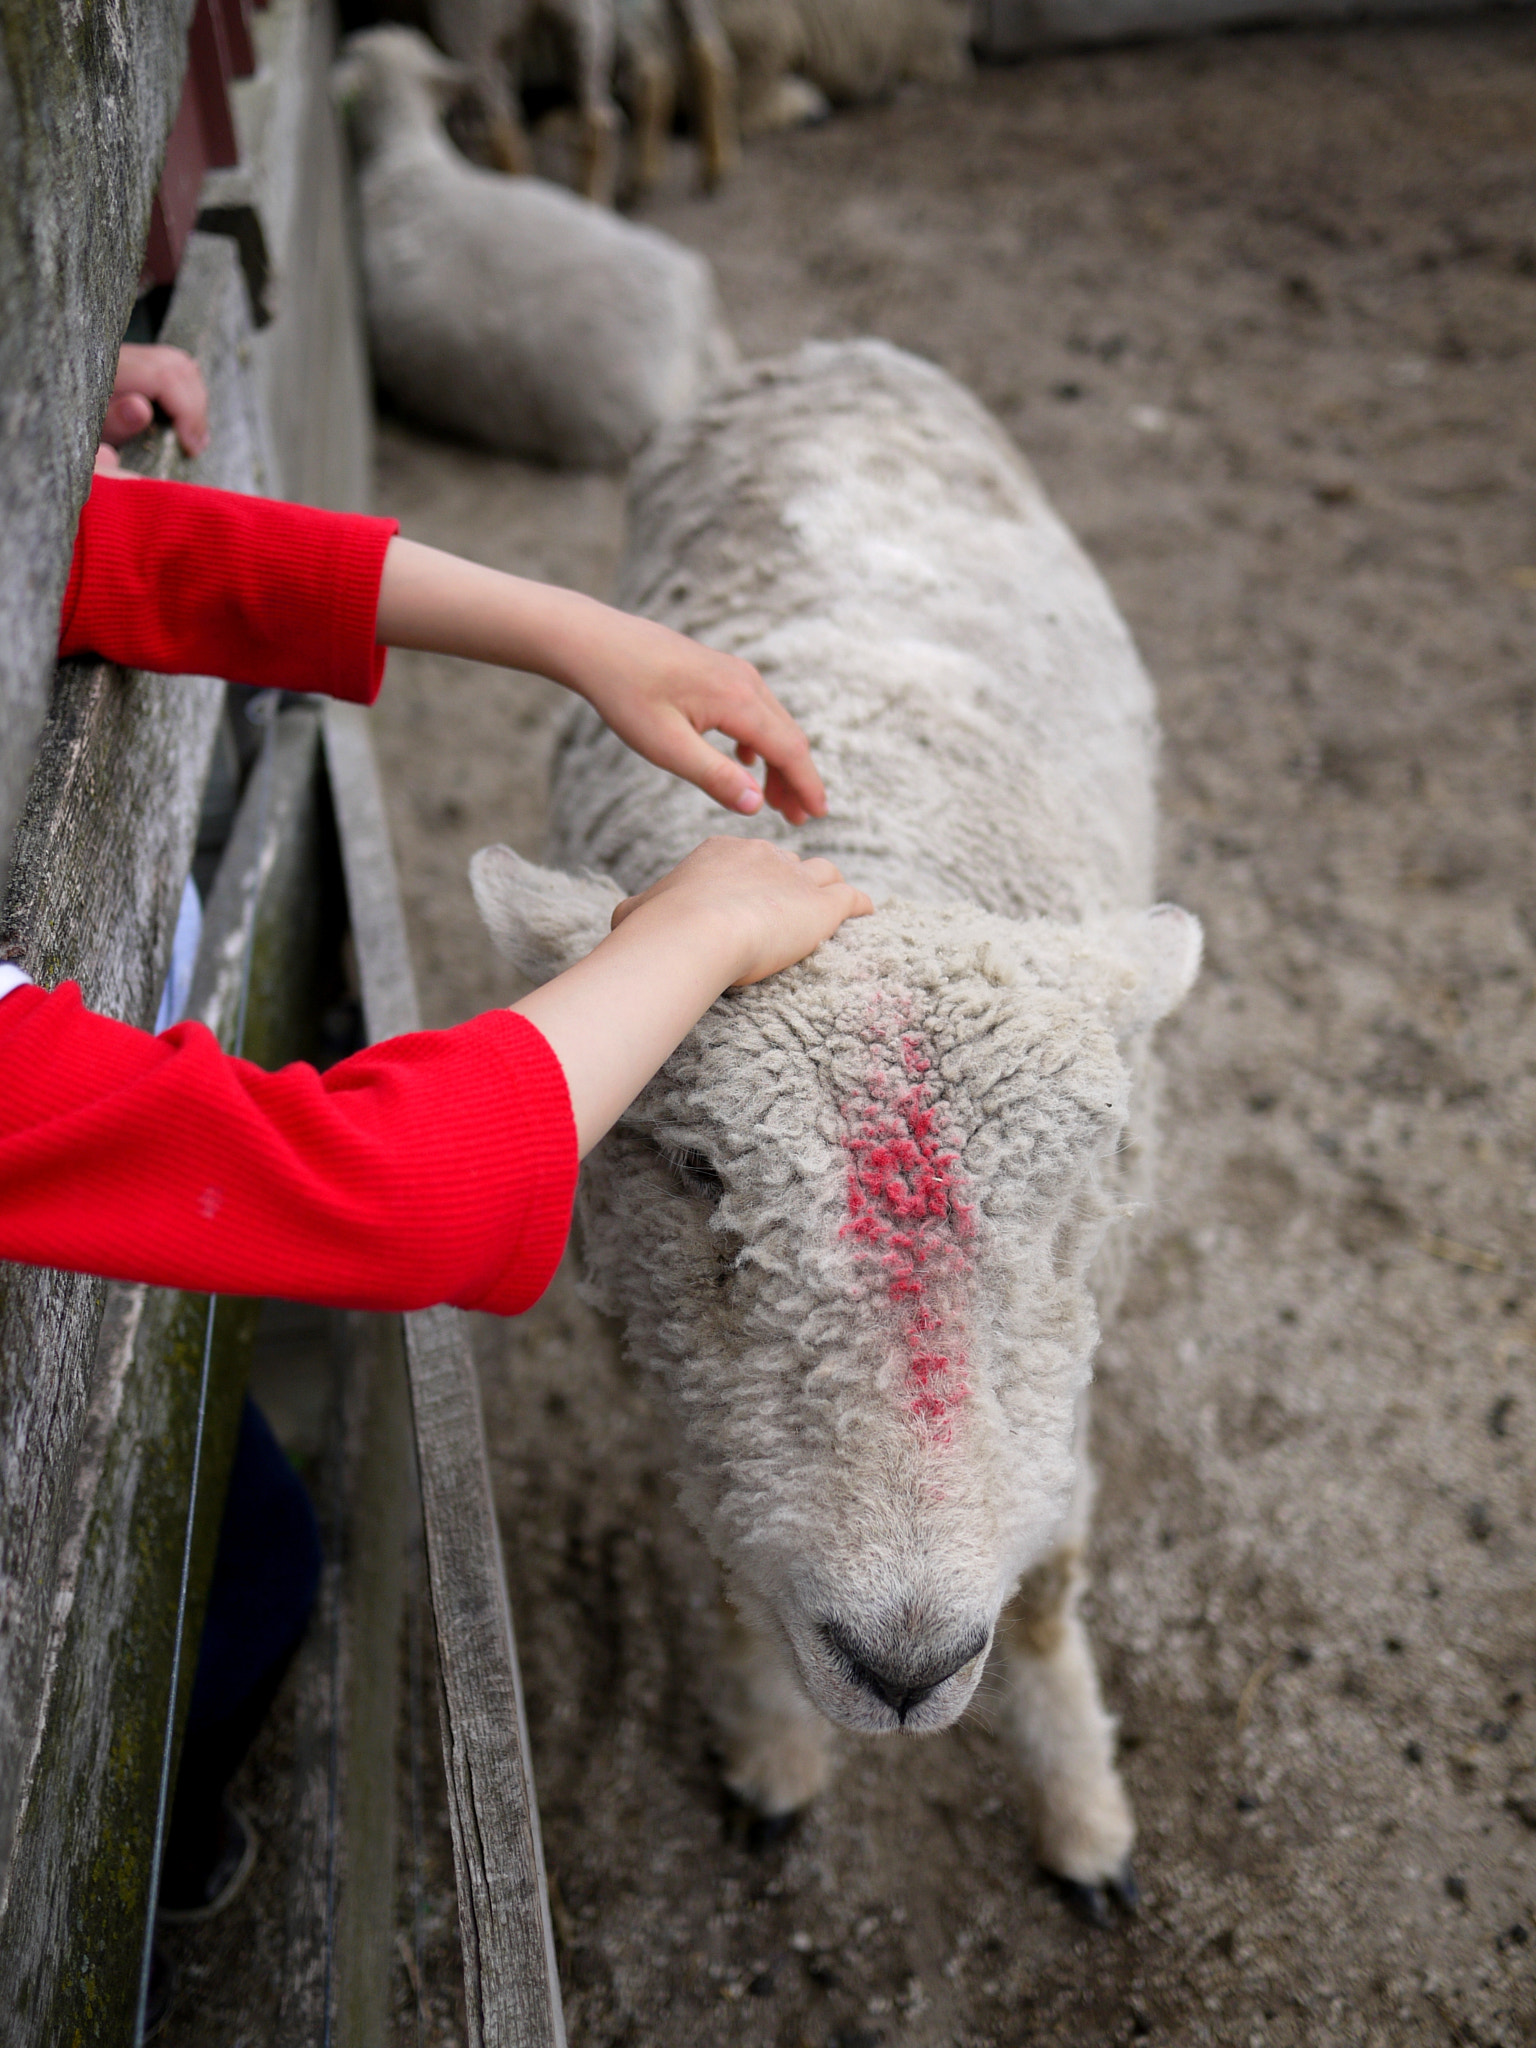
column 858, row 1223
column 490, row 38
column 508, row 310
column 795, row 58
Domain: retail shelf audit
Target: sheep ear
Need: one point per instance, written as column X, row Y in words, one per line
column 1146, row 962
column 540, row 919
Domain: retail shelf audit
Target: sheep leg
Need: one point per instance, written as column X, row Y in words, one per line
column 590, row 24
column 507, row 143
column 655, row 91
column 715, row 84
column 476, row 36
column 777, row 1748
column 1066, row 1739
column 714, row 88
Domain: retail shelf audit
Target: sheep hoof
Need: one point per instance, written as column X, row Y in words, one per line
column 1087, row 1902
column 1125, row 1889
column 746, row 1828
column 1092, row 1902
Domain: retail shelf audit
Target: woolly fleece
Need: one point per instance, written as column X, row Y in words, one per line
column 851, row 1222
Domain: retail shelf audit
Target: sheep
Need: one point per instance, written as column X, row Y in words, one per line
column 798, row 58
column 490, row 38
column 509, row 310
column 863, row 1224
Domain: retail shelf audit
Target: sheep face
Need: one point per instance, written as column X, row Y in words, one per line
column 850, row 1224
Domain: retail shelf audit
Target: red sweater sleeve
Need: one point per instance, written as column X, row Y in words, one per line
column 183, row 580
column 436, row 1167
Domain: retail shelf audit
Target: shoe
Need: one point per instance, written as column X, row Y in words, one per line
column 187, row 1896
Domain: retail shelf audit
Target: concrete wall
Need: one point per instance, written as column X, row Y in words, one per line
column 1017, row 28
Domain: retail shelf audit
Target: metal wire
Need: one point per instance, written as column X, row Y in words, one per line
column 333, row 1756
column 261, row 710
column 413, row 1681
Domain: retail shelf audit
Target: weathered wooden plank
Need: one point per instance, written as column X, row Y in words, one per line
column 101, row 857
column 76, row 1889
column 512, row 1989
column 339, row 1947
column 380, row 1502
column 87, row 97
column 1017, row 28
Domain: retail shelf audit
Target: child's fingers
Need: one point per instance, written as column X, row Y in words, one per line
column 820, row 870
column 727, row 781
column 172, row 380
column 766, row 729
column 186, row 400
column 777, row 792
column 126, row 416
column 834, row 902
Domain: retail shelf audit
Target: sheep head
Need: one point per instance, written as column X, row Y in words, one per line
column 850, row 1224
column 389, row 76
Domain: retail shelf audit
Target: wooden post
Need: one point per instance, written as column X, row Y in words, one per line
column 511, row 1980
column 87, row 96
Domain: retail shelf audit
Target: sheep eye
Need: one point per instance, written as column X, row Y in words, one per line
column 695, row 1174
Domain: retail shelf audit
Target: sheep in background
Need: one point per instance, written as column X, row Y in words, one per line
column 797, row 58
column 508, row 310
column 862, row 1224
column 490, row 37
column 661, row 42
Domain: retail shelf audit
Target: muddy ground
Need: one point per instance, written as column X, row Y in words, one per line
column 1262, row 311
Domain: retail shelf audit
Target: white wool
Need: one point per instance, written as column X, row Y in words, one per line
column 855, row 524
column 847, row 51
column 507, row 309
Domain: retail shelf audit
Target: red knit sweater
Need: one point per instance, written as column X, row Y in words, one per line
column 436, row 1167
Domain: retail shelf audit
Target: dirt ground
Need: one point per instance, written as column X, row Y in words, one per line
column 1262, row 310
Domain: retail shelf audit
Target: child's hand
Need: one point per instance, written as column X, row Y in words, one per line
column 734, row 911
column 150, row 376
column 661, row 692
column 760, row 904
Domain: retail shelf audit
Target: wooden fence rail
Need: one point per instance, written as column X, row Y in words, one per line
column 511, row 1979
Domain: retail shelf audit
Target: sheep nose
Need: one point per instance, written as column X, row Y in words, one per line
column 902, row 1682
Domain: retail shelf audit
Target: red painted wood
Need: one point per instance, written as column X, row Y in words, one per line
column 232, row 18
column 202, row 139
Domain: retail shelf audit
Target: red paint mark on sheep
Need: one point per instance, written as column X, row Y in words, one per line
column 905, row 1210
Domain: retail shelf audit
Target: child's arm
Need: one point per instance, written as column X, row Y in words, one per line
column 437, row 1167
column 658, row 690
column 184, row 580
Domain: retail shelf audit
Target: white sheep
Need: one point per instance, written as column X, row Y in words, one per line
column 857, row 1223
column 506, row 309
column 794, row 58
